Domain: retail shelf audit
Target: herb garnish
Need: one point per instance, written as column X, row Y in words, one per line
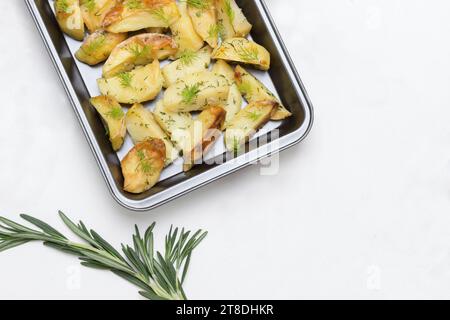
column 229, row 10
column 116, row 113
column 216, row 30
column 159, row 276
column 90, row 5
column 94, row 45
column 133, row 4
column 253, row 116
column 188, row 57
column 198, row 4
column 139, row 51
column 125, row 79
column 189, row 93
column 63, row 6
column 161, row 15
column 144, row 164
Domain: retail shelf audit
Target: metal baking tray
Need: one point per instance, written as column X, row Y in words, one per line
column 79, row 81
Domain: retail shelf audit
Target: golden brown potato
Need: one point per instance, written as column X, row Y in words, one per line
column 160, row 30
column 70, row 20
column 139, row 50
column 240, row 23
column 203, row 16
column 176, row 124
column 247, row 122
column 141, row 126
column 244, row 51
column 205, row 133
column 113, row 117
column 143, row 165
column 139, row 85
column 98, row 46
column 253, row 90
column 133, row 15
column 184, row 34
column 188, row 63
column 225, row 17
column 94, row 11
column 196, row 92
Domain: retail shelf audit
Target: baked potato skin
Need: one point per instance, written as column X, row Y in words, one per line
column 94, row 12
column 97, row 47
column 245, row 51
column 189, row 62
column 134, row 15
column 210, row 121
column 139, row 50
column 184, row 34
column 139, row 85
column 205, row 22
column 142, row 166
column 196, row 92
column 253, row 90
column 141, row 125
column 70, row 20
column 114, row 118
column 245, row 124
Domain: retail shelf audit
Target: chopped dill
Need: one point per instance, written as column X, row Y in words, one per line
column 125, row 79
column 161, row 15
column 253, row 116
column 198, row 4
column 216, row 30
column 144, row 165
column 133, row 4
column 116, row 113
column 94, row 45
column 63, row 6
column 188, row 57
column 245, row 88
column 189, row 93
column 89, row 4
column 247, row 54
column 229, row 10
column 139, row 51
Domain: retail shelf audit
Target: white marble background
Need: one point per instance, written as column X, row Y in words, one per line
column 359, row 210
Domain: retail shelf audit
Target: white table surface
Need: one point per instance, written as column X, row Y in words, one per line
column 359, row 210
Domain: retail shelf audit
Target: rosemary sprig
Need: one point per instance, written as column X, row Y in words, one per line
column 159, row 276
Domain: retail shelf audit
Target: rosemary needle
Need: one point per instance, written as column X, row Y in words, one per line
column 160, row 277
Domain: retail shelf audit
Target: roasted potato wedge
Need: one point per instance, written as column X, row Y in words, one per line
column 139, row 50
column 133, row 15
column 204, row 20
column 94, row 11
column 143, row 165
column 177, row 125
column 240, row 23
column 184, row 34
column 223, row 68
column 225, row 17
column 70, row 20
column 234, row 102
column 196, row 92
column 98, row 46
column 141, row 126
column 253, row 90
column 244, row 51
column 113, row 117
column 247, row 122
column 205, row 132
column 141, row 84
column 188, row 63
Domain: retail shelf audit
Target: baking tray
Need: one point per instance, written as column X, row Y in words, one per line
column 79, row 81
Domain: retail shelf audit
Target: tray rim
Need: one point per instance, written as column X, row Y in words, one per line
column 215, row 173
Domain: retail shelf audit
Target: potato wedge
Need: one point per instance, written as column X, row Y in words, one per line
column 240, row 23
column 184, row 34
column 205, row 133
column 138, row 50
column 233, row 105
column 98, row 46
column 223, row 68
column 142, row 166
column 244, row 51
column 249, row 120
column 70, row 20
column 139, row 85
column 188, row 63
column 204, row 20
column 94, row 11
column 253, row 90
column 196, row 92
column 141, row 126
column 177, row 125
column 225, row 17
column 133, row 15
column 113, row 117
